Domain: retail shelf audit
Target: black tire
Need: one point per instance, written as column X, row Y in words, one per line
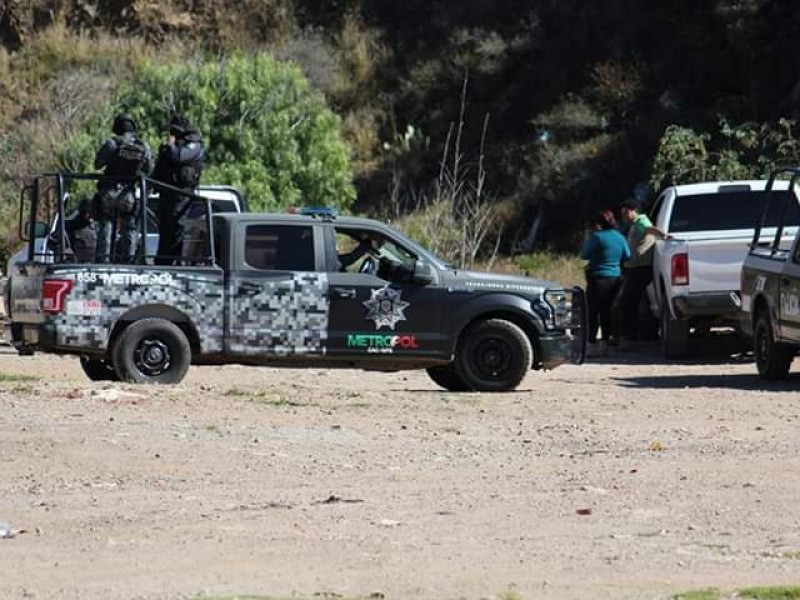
column 493, row 356
column 98, row 370
column 772, row 359
column 674, row 335
column 447, row 377
column 152, row 351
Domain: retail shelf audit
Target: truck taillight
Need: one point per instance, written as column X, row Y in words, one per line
column 53, row 293
column 680, row 269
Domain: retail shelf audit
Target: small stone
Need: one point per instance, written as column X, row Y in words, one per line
column 389, row 523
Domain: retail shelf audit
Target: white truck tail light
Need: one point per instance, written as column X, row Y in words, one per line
column 680, row 269
column 53, row 293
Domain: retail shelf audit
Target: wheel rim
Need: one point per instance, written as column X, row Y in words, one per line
column 491, row 358
column 152, row 357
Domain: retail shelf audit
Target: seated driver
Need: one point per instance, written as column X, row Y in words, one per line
column 368, row 243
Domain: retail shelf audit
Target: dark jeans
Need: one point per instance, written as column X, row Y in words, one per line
column 600, row 294
column 634, row 284
column 171, row 230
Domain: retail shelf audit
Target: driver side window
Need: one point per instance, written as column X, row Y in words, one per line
column 351, row 251
column 364, row 251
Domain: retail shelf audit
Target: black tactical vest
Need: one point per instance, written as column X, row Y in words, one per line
column 130, row 157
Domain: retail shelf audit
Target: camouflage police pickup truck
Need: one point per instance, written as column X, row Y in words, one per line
column 770, row 279
column 298, row 290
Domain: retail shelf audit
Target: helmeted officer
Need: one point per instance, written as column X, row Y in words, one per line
column 180, row 164
column 122, row 157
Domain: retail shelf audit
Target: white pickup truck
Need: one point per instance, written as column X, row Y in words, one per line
column 696, row 272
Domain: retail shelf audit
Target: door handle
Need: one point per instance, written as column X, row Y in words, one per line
column 345, row 292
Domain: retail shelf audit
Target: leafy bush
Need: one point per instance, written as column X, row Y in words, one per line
column 266, row 131
column 750, row 150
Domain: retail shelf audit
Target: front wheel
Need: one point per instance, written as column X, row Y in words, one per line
column 152, row 351
column 493, row 356
column 98, row 370
column 772, row 359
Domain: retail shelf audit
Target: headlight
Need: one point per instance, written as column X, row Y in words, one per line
column 560, row 303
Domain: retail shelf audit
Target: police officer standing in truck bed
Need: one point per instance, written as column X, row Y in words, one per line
column 121, row 158
column 179, row 164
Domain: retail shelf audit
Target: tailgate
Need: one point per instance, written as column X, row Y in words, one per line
column 716, row 258
column 715, row 264
column 25, row 293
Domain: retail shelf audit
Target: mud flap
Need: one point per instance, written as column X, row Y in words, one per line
column 578, row 326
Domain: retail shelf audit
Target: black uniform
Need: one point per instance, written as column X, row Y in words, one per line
column 124, row 156
column 180, row 165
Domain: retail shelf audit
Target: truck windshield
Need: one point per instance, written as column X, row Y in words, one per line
column 733, row 210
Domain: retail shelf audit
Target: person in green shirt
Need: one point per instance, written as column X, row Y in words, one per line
column 638, row 275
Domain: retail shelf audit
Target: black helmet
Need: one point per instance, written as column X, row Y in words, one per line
column 123, row 124
column 179, row 125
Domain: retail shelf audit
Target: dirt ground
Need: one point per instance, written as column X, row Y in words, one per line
column 622, row 478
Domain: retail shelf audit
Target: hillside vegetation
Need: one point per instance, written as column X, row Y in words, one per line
column 489, row 115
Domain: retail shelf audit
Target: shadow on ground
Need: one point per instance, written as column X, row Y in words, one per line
column 724, row 350
column 713, row 350
column 747, row 382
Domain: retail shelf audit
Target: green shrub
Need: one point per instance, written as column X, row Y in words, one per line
column 746, row 151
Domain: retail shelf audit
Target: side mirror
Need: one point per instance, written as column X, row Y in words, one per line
column 424, row 273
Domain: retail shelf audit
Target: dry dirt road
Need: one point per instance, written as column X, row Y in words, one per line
column 628, row 478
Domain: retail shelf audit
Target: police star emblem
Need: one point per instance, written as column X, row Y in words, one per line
column 385, row 307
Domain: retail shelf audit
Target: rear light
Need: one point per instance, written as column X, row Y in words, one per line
column 53, row 293
column 680, row 269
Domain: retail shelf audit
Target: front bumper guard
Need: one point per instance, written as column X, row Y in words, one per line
column 579, row 326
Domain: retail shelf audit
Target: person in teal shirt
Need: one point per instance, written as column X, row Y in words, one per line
column 605, row 249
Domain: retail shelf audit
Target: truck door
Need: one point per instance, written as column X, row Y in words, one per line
column 788, row 304
column 278, row 296
column 376, row 308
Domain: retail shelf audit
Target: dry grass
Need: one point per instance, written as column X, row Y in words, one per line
column 565, row 269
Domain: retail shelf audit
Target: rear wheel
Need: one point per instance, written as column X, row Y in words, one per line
column 493, row 356
column 772, row 359
column 152, row 351
column 98, row 370
column 674, row 335
column 447, row 377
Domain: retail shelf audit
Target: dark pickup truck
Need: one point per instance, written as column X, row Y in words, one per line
column 770, row 279
column 297, row 290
